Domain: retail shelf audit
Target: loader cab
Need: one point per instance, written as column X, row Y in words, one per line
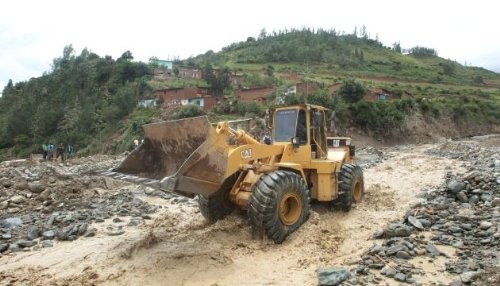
column 304, row 125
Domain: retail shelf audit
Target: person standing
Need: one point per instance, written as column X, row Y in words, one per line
column 45, row 151
column 60, row 152
column 69, row 151
column 50, row 151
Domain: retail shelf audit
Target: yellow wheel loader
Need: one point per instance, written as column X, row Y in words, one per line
column 229, row 169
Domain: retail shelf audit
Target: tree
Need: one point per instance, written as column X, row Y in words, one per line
column 352, row 90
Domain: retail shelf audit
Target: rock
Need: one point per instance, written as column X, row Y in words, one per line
column 456, row 283
column 3, row 247
column 462, row 197
column 91, row 232
column 6, row 182
column 115, row 232
column 486, row 197
column 33, row 233
column 415, row 222
column 21, row 186
column 11, row 222
column 403, row 255
column 400, row 277
column 48, row 235
column 472, row 175
column 25, row 243
column 485, row 225
column 431, row 249
column 495, row 202
column 473, row 199
column 388, row 271
column 61, row 235
column 398, row 230
column 36, row 187
column 7, row 235
column 455, row 186
column 82, row 229
column 47, row 243
column 469, row 276
column 332, row 275
column 117, row 219
column 17, row 199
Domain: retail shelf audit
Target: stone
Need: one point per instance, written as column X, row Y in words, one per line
column 415, row 222
column 47, row 243
column 456, row 283
column 115, row 232
column 398, row 230
column 11, row 222
column 21, row 186
column 3, row 247
column 91, row 232
column 403, row 255
column 82, row 229
column 7, row 235
column 332, row 275
column 388, row 271
column 48, row 235
column 473, row 199
column 61, row 235
column 495, row 202
column 400, row 277
column 468, row 277
column 17, row 199
column 485, row 225
column 462, row 197
column 432, row 250
column 486, row 197
column 36, row 187
column 33, row 233
column 455, row 186
column 25, row 243
column 117, row 219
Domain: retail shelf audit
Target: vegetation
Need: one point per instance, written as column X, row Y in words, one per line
column 91, row 101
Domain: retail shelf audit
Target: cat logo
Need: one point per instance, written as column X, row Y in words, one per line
column 246, row 154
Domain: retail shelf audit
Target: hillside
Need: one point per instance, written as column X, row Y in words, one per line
column 91, row 101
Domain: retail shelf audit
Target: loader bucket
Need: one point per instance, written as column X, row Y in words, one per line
column 183, row 156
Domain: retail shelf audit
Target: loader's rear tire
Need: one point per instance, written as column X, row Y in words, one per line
column 217, row 206
column 352, row 186
column 279, row 204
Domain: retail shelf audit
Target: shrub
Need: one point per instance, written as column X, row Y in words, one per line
column 378, row 117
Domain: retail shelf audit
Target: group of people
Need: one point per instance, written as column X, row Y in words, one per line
column 50, row 152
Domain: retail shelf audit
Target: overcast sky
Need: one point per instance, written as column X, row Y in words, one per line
column 34, row 32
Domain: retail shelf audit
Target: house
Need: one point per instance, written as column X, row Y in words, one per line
column 174, row 97
column 378, row 94
column 257, row 94
column 162, row 63
column 147, row 103
column 189, row 72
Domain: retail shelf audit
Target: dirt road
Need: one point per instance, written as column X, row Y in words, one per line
column 176, row 247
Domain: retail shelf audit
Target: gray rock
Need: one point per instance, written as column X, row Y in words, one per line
column 456, row 283
column 17, row 199
column 473, row 199
column 91, row 232
column 11, row 222
column 486, row 197
column 400, row 277
column 425, row 222
column 485, row 225
column 462, row 197
column 469, row 276
column 466, row 226
column 398, row 230
column 388, row 271
column 36, row 187
column 403, row 255
column 48, row 235
column 455, row 186
column 117, row 219
column 82, row 229
column 22, row 185
column 47, row 243
column 432, row 250
column 415, row 222
column 25, row 243
column 33, row 233
column 7, row 235
column 61, row 235
column 495, row 202
column 3, row 247
column 332, row 275
column 115, row 232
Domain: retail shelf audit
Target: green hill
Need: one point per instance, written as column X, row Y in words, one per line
column 91, row 101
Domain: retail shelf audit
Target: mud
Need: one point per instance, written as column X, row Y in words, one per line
column 177, row 247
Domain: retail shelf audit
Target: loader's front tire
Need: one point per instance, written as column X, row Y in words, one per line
column 279, row 204
column 351, row 186
column 217, row 206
